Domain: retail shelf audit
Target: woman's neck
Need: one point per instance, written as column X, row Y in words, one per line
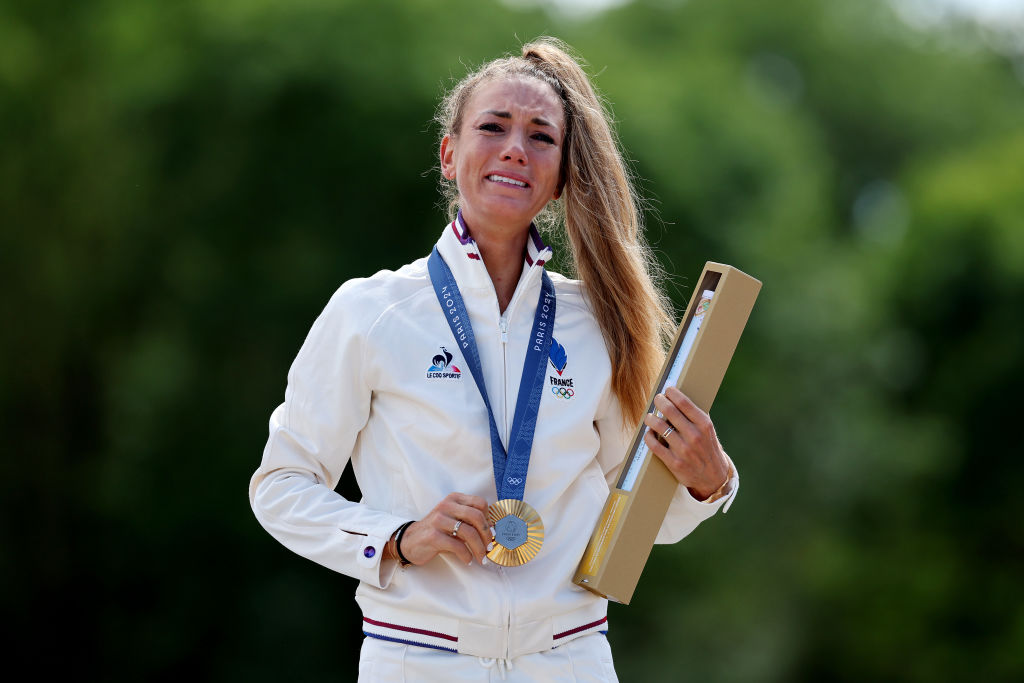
column 502, row 252
column 503, row 258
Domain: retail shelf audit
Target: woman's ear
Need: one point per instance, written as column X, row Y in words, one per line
column 448, row 157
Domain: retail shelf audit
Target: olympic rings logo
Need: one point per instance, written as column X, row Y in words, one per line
column 563, row 392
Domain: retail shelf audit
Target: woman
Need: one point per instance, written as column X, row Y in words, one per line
column 556, row 371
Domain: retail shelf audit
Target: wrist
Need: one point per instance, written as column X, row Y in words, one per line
column 716, row 494
column 393, row 548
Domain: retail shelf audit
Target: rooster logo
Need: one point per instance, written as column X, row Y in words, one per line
column 557, row 356
column 441, row 361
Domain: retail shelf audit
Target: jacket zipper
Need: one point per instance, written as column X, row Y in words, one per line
column 503, row 329
column 508, row 610
column 503, row 334
column 507, row 598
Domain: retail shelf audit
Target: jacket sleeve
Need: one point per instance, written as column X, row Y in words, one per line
column 684, row 512
column 312, row 434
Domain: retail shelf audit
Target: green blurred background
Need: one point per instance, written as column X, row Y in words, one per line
column 184, row 184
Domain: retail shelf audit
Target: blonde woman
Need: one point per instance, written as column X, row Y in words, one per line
column 485, row 404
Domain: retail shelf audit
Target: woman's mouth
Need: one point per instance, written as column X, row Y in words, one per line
column 496, row 178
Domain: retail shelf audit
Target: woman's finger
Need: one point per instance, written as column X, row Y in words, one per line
column 658, row 425
column 455, row 546
column 472, row 540
column 675, row 419
column 681, row 451
column 471, row 511
column 473, row 519
column 690, row 410
column 665, row 454
column 467, row 500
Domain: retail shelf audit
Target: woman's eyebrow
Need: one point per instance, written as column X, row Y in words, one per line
column 506, row 115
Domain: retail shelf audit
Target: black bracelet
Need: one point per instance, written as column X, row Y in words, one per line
column 402, row 559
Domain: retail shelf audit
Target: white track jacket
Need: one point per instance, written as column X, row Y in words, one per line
column 380, row 382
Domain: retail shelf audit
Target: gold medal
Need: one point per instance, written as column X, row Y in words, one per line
column 518, row 531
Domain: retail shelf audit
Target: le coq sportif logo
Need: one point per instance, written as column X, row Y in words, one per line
column 441, row 366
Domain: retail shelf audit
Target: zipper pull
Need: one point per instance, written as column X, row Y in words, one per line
column 503, row 326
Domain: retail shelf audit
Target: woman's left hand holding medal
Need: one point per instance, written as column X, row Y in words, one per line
column 457, row 525
column 688, row 446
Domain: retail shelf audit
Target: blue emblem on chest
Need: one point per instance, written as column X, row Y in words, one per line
column 557, row 356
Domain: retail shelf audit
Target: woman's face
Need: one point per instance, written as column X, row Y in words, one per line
column 507, row 157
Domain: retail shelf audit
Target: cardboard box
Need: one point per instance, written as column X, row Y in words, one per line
column 636, row 507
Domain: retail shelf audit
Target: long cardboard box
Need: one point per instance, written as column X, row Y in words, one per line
column 703, row 347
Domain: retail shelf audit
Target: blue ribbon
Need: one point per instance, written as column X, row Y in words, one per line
column 509, row 469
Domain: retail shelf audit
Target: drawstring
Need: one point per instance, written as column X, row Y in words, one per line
column 504, row 665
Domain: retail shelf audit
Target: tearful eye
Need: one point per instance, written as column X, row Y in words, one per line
column 544, row 137
column 490, row 127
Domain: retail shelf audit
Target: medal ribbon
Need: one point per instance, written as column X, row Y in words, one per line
column 509, row 468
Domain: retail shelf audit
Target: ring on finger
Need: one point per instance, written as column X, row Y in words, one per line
column 668, row 431
column 455, row 529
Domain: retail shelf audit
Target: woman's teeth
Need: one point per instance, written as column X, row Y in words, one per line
column 503, row 179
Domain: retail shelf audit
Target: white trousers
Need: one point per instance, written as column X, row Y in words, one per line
column 585, row 659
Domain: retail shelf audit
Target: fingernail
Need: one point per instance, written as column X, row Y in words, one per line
column 490, row 546
column 485, row 562
column 494, row 534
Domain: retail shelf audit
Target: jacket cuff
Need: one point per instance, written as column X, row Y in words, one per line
column 371, row 567
column 685, row 513
column 707, row 509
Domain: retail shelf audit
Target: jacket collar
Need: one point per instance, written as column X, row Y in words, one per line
column 460, row 252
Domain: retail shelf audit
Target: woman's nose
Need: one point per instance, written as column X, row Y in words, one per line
column 514, row 151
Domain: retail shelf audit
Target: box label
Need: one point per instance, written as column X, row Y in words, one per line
column 604, row 533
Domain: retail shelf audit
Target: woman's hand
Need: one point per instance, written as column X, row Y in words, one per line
column 433, row 534
column 693, row 453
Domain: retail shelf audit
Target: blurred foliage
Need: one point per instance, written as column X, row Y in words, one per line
column 183, row 185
